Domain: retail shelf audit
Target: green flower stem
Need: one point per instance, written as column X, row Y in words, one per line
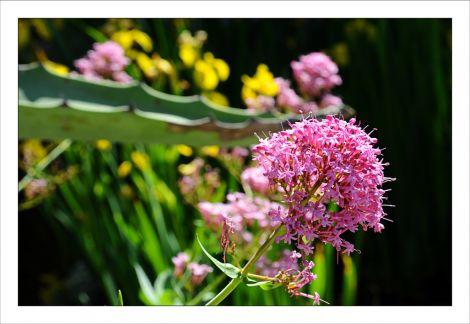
column 236, row 281
column 259, row 277
column 207, row 289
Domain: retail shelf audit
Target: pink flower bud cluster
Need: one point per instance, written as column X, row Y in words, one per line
column 316, row 75
column 104, row 61
column 320, row 164
column 240, row 212
column 198, row 271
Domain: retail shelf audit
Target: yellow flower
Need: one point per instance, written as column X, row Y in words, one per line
column 56, row 67
column 103, row 145
column 184, row 150
column 221, row 67
column 187, row 169
column 53, row 66
column 124, row 169
column 211, row 150
column 147, row 65
column 205, row 76
column 217, row 98
column 33, row 151
column 162, row 64
column 127, row 38
column 141, row 160
column 188, row 54
column 262, row 83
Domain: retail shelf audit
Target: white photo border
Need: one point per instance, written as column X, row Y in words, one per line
column 457, row 10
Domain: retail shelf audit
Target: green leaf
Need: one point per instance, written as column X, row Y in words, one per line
column 120, row 299
column 52, row 106
column 265, row 285
column 227, row 268
column 145, row 285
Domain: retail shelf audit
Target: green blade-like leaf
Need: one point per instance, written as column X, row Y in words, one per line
column 120, row 299
column 229, row 269
column 145, row 285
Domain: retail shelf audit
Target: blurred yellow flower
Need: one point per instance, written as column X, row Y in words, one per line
column 53, row 66
column 163, row 65
column 211, row 150
column 209, row 71
column 127, row 38
column 217, row 98
column 56, row 67
column 124, row 169
column 221, row 67
column 146, row 64
column 141, row 160
column 103, row 145
column 33, row 151
column 205, row 75
column 184, row 150
column 262, row 83
column 188, row 54
column 187, row 169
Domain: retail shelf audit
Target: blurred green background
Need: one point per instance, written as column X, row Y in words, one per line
column 85, row 240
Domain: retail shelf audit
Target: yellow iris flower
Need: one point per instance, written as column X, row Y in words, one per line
column 209, row 71
column 184, row 150
column 103, row 145
column 262, row 83
column 127, row 38
column 217, row 98
column 141, row 160
column 124, row 169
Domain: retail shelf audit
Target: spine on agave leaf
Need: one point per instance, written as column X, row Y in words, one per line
column 53, row 106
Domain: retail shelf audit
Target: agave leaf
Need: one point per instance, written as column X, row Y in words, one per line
column 229, row 269
column 52, row 106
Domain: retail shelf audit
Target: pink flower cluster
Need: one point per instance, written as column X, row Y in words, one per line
column 255, row 179
column 198, row 271
column 320, row 164
column 316, row 75
column 239, row 212
column 104, row 61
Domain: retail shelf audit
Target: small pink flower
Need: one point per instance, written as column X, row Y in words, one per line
column 198, row 272
column 180, row 261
